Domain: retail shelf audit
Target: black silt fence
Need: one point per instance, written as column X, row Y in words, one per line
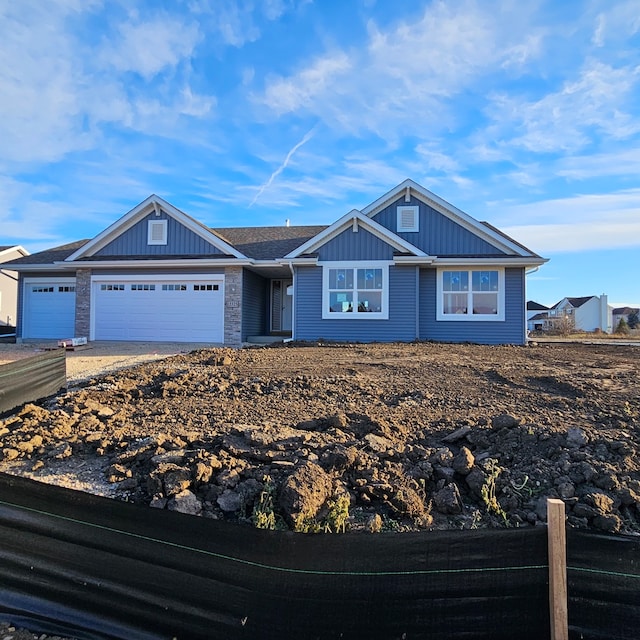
column 89, row 567
column 30, row 379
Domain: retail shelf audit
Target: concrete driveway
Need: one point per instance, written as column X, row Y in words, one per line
column 100, row 357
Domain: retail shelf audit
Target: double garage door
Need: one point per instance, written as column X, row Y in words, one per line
column 180, row 310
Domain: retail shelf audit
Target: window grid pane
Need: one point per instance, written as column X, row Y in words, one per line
column 455, row 280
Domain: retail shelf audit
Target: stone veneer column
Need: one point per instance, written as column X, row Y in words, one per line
column 83, row 303
column 233, row 306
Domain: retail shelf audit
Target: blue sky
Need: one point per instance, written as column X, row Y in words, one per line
column 240, row 112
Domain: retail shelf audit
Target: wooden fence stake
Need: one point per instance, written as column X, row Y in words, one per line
column 557, row 543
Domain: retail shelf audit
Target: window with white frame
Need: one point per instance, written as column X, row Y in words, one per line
column 157, row 232
column 470, row 294
column 355, row 290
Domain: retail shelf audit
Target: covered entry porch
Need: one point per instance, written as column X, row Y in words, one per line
column 268, row 306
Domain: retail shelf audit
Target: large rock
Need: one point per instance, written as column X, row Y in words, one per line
column 504, row 421
column 185, row 502
column 464, row 461
column 448, row 500
column 305, row 491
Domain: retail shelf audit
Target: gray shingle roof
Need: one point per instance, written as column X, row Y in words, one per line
column 535, row 306
column 575, row 302
column 259, row 243
column 267, row 243
column 50, row 255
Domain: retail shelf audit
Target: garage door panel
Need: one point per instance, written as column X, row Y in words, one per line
column 159, row 311
column 49, row 309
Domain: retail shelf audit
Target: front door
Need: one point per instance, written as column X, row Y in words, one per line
column 281, row 305
column 287, row 304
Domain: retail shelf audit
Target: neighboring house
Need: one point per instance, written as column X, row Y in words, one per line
column 588, row 313
column 409, row 266
column 536, row 315
column 9, row 285
column 621, row 313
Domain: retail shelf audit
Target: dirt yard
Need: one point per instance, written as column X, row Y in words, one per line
column 336, row 437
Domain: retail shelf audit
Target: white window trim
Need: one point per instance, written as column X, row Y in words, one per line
column 150, row 226
column 373, row 264
column 416, row 219
column 470, row 317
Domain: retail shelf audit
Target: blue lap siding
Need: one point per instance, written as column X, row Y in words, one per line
column 401, row 325
column 511, row 331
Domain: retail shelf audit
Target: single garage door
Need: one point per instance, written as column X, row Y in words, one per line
column 49, row 309
column 159, row 310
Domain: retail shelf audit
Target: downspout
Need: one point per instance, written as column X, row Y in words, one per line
column 526, row 320
column 293, row 304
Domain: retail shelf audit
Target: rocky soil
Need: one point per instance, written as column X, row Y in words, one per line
column 337, row 437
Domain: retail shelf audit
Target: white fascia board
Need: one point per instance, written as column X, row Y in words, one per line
column 367, row 223
column 143, row 264
column 448, row 210
column 414, row 259
column 509, row 261
column 50, row 266
column 19, row 248
column 140, row 211
column 299, row 262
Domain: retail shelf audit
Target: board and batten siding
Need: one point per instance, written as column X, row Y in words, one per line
column 511, row 331
column 254, row 304
column 401, row 325
column 180, row 241
column 437, row 234
column 358, row 245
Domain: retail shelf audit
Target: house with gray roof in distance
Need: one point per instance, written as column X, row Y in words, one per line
column 9, row 284
column 587, row 313
column 536, row 315
column 409, row 266
column 624, row 313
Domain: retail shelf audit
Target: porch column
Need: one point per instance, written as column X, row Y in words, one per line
column 83, row 303
column 233, row 306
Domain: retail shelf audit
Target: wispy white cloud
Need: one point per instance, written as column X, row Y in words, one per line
column 404, row 75
column 238, row 22
column 150, row 44
column 284, row 95
column 598, row 102
column 577, row 223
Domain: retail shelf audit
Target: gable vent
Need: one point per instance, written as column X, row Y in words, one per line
column 408, row 218
column 157, row 232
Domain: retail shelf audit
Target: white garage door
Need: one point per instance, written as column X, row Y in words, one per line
column 49, row 309
column 159, row 310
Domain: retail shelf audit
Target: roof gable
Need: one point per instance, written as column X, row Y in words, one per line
column 356, row 219
column 484, row 231
column 156, row 206
column 532, row 305
column 575, row 303
column 12, row 252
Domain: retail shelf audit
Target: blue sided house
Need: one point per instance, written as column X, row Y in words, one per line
column 408, row 267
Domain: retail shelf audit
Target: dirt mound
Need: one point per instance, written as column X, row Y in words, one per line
column 325, row 438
